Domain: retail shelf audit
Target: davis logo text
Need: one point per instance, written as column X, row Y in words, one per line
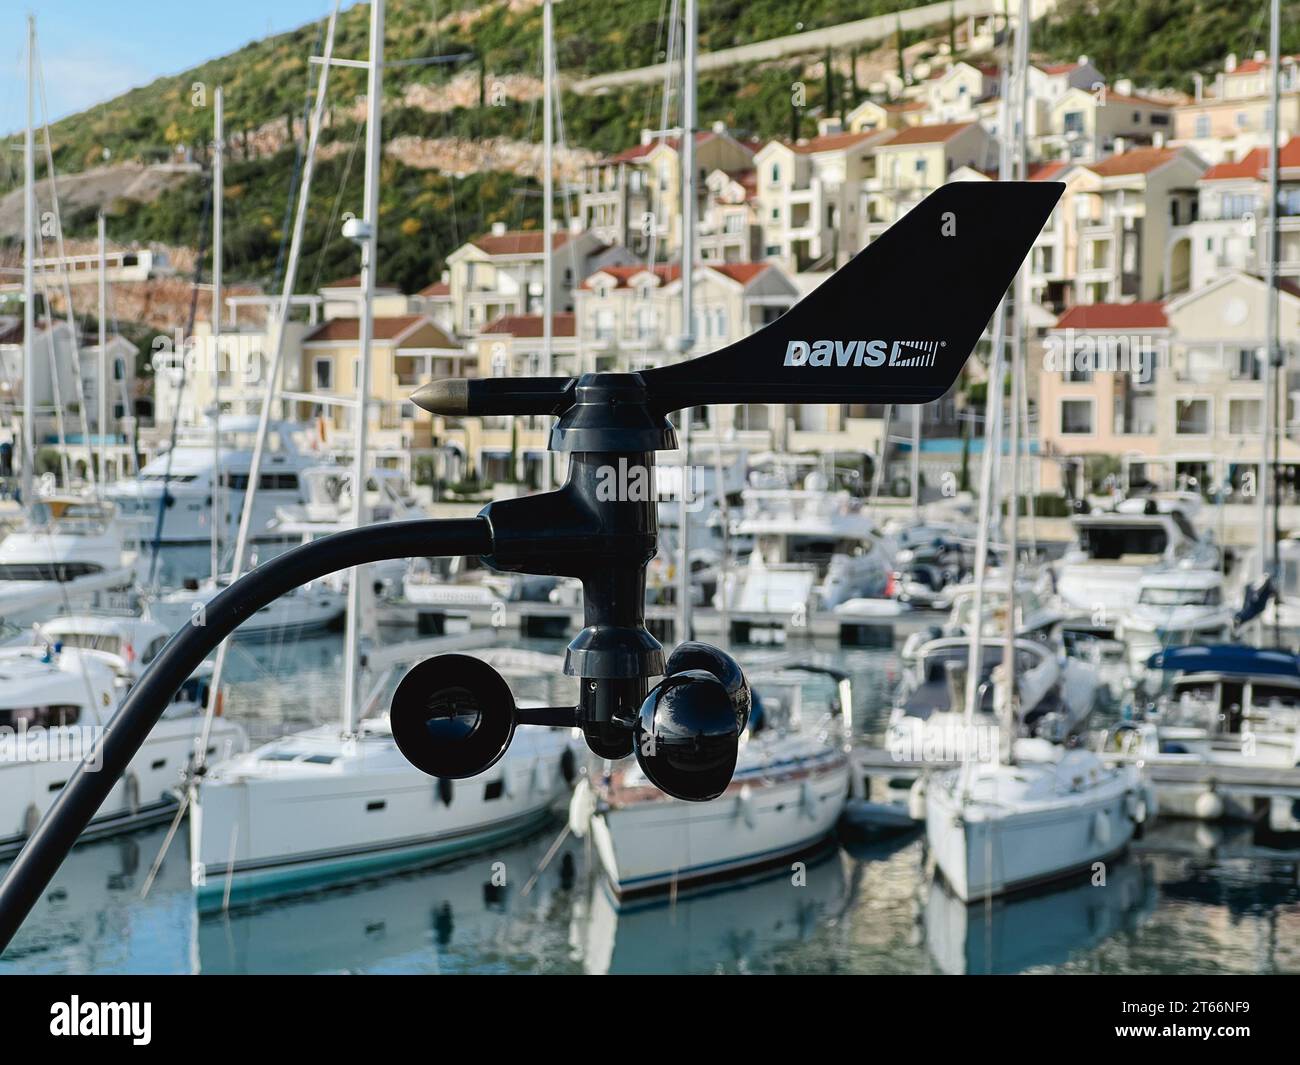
column 862, row 352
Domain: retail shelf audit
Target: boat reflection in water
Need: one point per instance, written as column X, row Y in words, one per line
column 91, row 919
column 1043, row 929
column 471, row 916
column 730, row 928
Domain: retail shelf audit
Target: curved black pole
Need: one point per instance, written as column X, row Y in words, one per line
column 40, row 858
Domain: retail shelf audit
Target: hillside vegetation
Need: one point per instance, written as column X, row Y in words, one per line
column 426, row 213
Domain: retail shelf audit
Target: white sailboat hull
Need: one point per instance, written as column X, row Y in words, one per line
column 763, row 818
column 990, row 848
column 262, row 826
column 144, row 793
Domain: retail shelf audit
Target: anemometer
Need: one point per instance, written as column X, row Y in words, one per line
column 894, row 325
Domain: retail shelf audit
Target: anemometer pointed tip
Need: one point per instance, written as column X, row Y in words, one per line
column 449, row 397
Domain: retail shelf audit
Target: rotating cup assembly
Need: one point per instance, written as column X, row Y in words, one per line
column 454, row 716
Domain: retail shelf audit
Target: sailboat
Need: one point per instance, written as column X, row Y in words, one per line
column 1041, row 812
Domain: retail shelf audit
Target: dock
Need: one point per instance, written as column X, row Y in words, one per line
column 544, row 620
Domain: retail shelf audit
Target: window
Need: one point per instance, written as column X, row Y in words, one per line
column 1244, row 417
column 1237, row 204
column 1192, row 417
column 1243, row 120
column 1074, row 122
column 1202, row 125
column 1246, row 365
column 1076, row 417
column 1159, row 120
column 119, row 370
column 323, row 374
column 774, row 175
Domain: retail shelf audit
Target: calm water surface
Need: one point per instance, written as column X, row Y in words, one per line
column 1191, row 898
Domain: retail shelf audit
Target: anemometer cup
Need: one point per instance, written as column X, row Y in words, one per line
column 453, row 716
column 687, row 737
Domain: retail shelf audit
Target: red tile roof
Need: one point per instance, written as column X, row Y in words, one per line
column 1046, row 171
column 1114, row 316
column 640, row 151
column 742, row 272
column 387, row 328
column 905, row 105
column 1249, row 66
column 1254, row 164
column 1112, row 97
column 519, row 242
column 438, row 288
column 623, row 275
column 531, row 325
column 1059, row 68
column 667, row 274
column 831, row 142
column 355, row 282
column 936, row 134
column 1138, row 161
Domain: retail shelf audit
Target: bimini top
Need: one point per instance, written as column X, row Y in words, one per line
column 1227, row 658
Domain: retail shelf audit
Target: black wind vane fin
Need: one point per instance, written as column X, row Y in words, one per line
column 893, row 325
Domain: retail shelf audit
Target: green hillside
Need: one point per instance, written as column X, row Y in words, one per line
column 426, row 214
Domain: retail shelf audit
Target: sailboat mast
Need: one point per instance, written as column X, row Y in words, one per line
column 1275, row 361
column 218, row 149
column 548, row 207
column 916, row 462
column 29, row 286
column 1268, row 370
column 692, row 33
column 1020, row 62
column 101, row 422
column 369, row 250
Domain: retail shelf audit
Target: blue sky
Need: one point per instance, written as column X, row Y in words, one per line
column 92, row 50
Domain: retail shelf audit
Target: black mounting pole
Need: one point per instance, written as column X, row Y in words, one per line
column 41, row 856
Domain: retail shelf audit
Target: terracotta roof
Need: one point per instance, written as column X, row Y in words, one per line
column 623, row 275
column 1059, row 68
column 519, row 242
column 384, row 329
column 640, row 151
column 1114, row 316
column 531, row 325
column 742, row 272
column 667, row 274
column 936, row 134
column 1138, row 161
column 1122, row 98
column 355, row 282
column 1249, row 66
column 831, row 142
column 1046, row 171
column 438, row 288
column 1254, row 164
column 905, row 105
